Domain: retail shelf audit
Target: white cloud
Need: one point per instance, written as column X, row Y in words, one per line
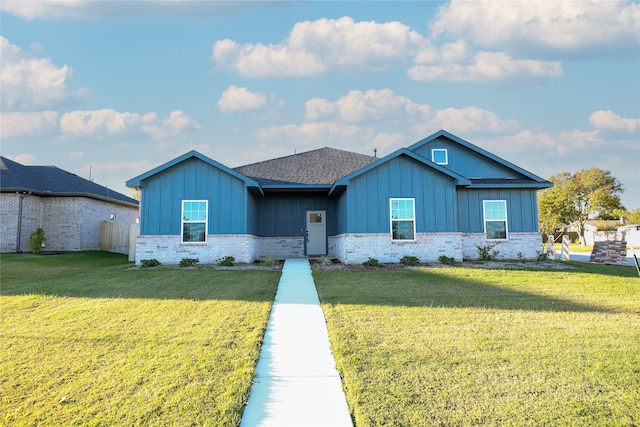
column 315, row 47
column 91, row 9
column 467, row 120
column 240, row 99
column 549, row 144
column 24, row 159
column 100, row 123
column 358, row 106
column 608, row 120
column 32, row 83
column 27, row 124
column 483, row 67
column 311, row 135
column 542, row 26
column 176, row 124
column 97, row 122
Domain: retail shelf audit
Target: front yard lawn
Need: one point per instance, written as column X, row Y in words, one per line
column 473, row 346
column 87, row 341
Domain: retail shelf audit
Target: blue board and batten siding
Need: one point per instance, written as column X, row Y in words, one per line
column 522, row 209
column 365, row 203
column 465, row 161
column 284, row 214
column 193, row 179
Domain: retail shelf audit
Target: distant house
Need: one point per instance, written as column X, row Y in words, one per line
column 440, row 196
column 630, row 233
column 70, row 209
column 597, row 230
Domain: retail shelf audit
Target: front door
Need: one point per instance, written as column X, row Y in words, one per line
column 316, row 233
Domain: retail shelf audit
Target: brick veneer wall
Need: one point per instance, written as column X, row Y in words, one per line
column 280, row 247
column 609, row 252
column 357, row 248
column 527, row 244
column 69, row 223
column 169, row 250
column 348, row 248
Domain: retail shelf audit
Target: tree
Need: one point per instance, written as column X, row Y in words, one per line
column 574, row 199
column 634, row 216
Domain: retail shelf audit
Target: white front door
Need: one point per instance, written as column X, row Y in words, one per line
column 316, row 233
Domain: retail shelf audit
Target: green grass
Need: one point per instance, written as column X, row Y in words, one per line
column 471, row 346
column 87, row 341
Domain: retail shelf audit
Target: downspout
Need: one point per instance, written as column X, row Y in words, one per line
column 19, row 231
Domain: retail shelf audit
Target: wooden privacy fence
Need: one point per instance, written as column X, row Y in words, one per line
column 119, row 238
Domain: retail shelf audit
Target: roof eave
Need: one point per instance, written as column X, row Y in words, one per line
column 310, row 187
column 536, row 185
column 39, row 193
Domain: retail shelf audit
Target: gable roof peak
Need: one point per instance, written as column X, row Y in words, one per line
column 481, row 151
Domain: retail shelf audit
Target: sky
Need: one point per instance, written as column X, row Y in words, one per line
column 111, row 89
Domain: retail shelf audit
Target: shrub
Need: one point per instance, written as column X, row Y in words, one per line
column 146, row 263
column 269, row 262
column 226, row 261
column 36, row 240
column 487, row 253
column 188, row 262
column 541, row 256
column 325, row 260
column 409, row 260
column 443, row 259
column 371, row 262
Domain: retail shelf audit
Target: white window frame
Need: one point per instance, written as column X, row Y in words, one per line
column 505, row 220
column 446, row 156
column 205, row 222
column 392, row 219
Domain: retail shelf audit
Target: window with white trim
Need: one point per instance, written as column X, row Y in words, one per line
column 495, row 219
column 194, row 221
column 439, row 156
column 403, row 219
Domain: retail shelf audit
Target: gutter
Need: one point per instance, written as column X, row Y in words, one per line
column 56, row 194
column 19, row 227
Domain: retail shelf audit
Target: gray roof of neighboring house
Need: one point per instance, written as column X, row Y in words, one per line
column 53, row 181
column 322, row 166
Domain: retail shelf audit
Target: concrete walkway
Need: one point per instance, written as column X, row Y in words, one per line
column 296, row 382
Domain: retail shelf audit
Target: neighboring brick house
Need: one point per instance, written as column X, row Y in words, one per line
column 440, row 196
column 70, row 209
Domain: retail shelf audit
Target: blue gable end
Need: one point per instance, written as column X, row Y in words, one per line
column 364, row 205
column 484, row 169
column 193, row 177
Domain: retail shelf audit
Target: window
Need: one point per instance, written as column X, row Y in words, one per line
column 495, row 219
column 315, row 217
column 194, row 220
column 403, row 224
column 439, row 156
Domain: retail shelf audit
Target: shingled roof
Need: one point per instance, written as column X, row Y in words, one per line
column 53, row 181
column 322, row 166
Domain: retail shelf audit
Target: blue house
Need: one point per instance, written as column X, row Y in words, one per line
column 440, row 196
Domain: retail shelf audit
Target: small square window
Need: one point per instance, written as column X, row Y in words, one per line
column 315, row 218
column 439, row 156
